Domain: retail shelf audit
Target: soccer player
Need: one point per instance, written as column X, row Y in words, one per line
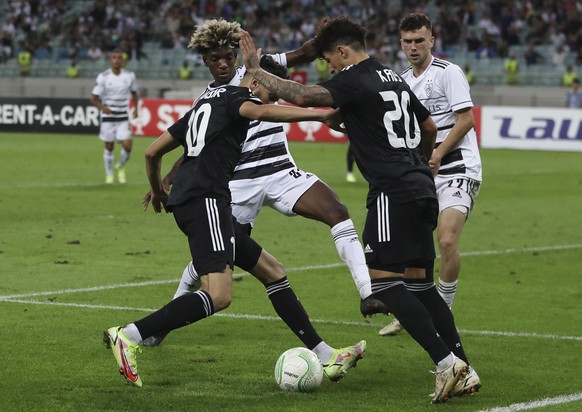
column 252, row 258
column 111, row 95
column 266, row 173
column 443, row 89
column 211, row 133
column 392, row 136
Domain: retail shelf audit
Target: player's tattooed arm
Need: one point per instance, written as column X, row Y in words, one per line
column 287, row 90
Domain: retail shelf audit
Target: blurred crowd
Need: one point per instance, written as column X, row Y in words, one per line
column 488, row 28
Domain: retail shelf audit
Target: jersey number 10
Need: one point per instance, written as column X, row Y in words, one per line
column 196, row 138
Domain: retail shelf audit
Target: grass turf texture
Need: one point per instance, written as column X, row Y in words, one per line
column 63, row 230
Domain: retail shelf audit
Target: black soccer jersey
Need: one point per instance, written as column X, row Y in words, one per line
column 382, row 118
column 212, row 134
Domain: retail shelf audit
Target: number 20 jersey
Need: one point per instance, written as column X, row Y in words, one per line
column 212, row 134
column 382, row 116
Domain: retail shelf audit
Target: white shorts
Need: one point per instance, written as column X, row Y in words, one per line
column 114, row 131
column 280, row 191
column 456, row 191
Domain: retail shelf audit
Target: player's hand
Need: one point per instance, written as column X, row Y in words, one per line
column 106, row 110
column 308, row 50
column 333, row 119
column 146, row 200
column 251, row 56
column 135, row 115
column 434, row 163
column 157, row 200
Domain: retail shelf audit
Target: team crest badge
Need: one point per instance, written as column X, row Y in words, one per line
column 428, row 88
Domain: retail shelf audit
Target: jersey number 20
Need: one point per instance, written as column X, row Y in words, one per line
column 198, row 123
column 400, row 110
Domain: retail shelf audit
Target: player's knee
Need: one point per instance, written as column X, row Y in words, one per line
column 447, row 244
column 337, row 214
column 221, row 300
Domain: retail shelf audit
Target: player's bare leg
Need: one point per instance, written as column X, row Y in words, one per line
column 321, row 203
column 450, row 227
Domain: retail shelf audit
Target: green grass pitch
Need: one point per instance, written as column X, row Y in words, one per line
column 77, row 256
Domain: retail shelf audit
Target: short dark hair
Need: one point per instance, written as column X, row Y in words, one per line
column 415, row 21
column 332, row 31
column 270, row 65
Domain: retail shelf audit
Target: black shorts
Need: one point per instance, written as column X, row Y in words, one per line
column 400, row 235
column 208, row 224
column 247, row 251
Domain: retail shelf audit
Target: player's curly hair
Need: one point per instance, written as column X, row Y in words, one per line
column 215, row 34
column 332, row 31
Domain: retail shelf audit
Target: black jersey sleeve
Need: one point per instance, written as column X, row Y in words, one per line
column 341, row 87
column 238, row 96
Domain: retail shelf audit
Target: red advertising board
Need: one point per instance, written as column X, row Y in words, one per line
column 156, row 115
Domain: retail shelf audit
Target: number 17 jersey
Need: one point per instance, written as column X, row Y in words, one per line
column 382, row 116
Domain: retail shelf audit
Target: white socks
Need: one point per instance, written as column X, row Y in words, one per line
column 447, row 291
column 124, row 158
column 446, row 362
column 108, row 158
column 130, row 331
column 350, row 250
column 323, row 351
column 189, row 281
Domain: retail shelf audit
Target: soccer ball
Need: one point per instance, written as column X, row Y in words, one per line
column 298, row 370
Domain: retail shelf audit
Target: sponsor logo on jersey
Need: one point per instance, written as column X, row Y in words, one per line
column 368, row 249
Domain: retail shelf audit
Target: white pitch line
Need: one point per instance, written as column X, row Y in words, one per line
column 275, row 318
column 516, row 407
column 295, row 269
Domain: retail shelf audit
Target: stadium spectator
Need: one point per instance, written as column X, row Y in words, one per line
column 94, row 53
column 73, row 70
column 574, row 95
column 511, row 67
column 25, row 61
column 569, row 76
column 201, row 190
column 322, row 69
column 559, row 54
column 6, row 46
column 111, row 95
column 532, row 56
column 469, row 74
column 486, row 49
column 185, row 72
column 363, row 98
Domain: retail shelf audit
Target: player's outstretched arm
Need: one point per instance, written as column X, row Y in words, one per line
column 281, row 113
column 287, row 90
column 154, row 153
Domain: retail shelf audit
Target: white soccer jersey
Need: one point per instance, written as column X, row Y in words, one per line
column 443, row 89
column 266, row 173
column 115, row 93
